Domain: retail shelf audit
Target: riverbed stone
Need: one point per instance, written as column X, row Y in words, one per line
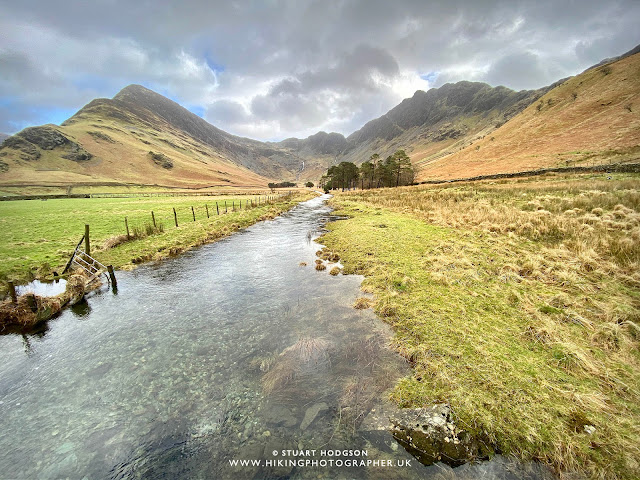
column 311, row 414
column 279, row 415
column 431, row 436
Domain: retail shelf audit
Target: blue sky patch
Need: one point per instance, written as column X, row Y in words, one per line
column 430, row 77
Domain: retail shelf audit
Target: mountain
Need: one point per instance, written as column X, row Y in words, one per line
column 141, row 137
column 592, row 118
column 460, row 129
column 633, row 51
column 138, row 137
column 430, row 124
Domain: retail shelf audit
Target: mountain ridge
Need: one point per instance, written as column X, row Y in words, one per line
column 141, row 125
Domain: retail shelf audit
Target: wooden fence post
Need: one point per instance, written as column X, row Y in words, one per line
column 87, row 243
column 225, row 206
column 153, row 217
column 31, row 301
column 112, row 275
column 207, row 207
column 217, row 209
column 193, row 212
column 12, row 291
column 175, row 217
column 126, row 224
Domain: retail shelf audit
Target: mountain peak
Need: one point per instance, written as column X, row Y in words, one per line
column 142, row 95
column 133, row 89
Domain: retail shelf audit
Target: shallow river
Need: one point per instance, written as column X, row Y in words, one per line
column 231, row 352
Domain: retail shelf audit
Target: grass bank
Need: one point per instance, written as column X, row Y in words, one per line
column 38, row 237
column 518, row 304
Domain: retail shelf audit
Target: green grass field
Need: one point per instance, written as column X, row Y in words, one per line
column 37, row 237
column 517, row 303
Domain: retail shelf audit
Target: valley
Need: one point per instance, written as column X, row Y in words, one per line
column 140, row 138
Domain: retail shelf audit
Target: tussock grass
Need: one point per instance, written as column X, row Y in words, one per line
column 521, row 316
column 362, row 303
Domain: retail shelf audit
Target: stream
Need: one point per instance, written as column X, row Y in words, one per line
column 232, row 352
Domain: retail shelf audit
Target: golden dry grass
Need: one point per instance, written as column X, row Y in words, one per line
column 515, row 306
column 362, row 303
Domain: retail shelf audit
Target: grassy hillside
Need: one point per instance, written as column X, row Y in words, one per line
column 589, row 119
column 517, row 302
column 121, row 151
column 142, row 138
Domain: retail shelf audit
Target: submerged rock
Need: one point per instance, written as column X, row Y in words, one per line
column 430, row 435
column 311, row 414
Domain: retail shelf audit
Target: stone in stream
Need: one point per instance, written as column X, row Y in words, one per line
column 311, row 414
column 279, row 415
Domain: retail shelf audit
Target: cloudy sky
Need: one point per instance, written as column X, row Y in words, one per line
column 275, row 69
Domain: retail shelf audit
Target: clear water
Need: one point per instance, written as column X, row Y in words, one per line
column 229, row 352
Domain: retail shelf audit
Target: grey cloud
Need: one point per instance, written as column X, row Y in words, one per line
column 307, row 63
column 227, row 112
column 525, row 70
column 312, row 99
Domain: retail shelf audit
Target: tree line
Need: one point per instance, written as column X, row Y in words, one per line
column 394, row 171
column 273, row 185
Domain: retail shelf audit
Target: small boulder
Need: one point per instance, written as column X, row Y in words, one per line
column 311, row 414
column 430, row 435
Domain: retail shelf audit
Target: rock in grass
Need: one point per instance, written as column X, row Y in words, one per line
column 161, row 160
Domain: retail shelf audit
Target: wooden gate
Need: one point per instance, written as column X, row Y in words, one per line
column 86, row 262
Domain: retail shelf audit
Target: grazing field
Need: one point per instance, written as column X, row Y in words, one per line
column 123, row 189
column 518, row 304
column 37, row 237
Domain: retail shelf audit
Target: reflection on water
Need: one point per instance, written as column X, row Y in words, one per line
column 229, row 352
column 44, row 289
column 81, row 309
